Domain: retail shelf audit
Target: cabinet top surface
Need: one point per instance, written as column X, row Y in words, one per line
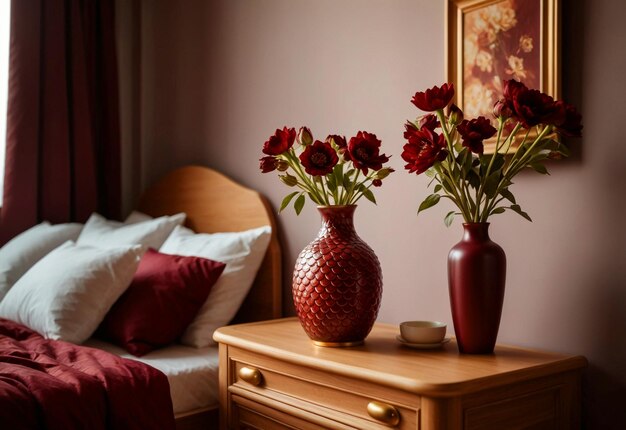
column 383, row 360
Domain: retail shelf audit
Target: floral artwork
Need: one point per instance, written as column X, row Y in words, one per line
column 501, row 41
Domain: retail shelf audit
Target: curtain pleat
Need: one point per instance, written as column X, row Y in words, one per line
column 63, row 145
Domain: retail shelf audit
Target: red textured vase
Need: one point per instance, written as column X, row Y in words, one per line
column 337, row 282
column 476, row 278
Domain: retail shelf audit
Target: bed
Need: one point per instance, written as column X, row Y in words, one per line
column 213, row 203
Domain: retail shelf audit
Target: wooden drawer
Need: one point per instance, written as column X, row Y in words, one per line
column 250, row 414
column 316, row 397
column 533, row 411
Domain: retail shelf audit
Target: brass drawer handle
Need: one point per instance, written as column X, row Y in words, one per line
column 251, row 375
column 384, row 413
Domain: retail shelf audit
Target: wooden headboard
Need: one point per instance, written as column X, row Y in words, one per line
column 215, row 203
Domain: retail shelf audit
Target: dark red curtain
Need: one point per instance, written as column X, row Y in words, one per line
column 63, row 145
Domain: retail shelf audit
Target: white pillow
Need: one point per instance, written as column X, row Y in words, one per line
column 242, row 252
column 20, row 253
column 103, row 233
column 136, row 216
column 68, row 292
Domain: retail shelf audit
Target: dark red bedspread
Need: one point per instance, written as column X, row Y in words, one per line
column 47, row 384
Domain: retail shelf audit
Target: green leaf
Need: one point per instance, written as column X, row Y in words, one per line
column 518, row 209
column 338, row 174
column 467, row 164
column 507, row 195
column 540, row 168
column 538, row 157
column 346, row 178
column 286, row 200
column 437, row 188
column 429, row 202
column 491, row 184
column 299, row 204
column 563, row 150
column 552, row 145
column 498, row 162
column 473, row 179
column 498, row 210
column 331, row 183
column 430, row 173
column 447, row 187
column 452, row 167
column 458, row 159
column 458, row 146
column 484, row 162
column 522, row 149
column 449, row 218
column 314, row 199
column 541, row 145
column 369, row 195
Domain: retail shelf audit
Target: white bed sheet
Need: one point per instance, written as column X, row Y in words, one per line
column 192, row 372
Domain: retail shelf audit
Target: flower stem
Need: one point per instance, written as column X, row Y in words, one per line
column 443, row 173
column 358, row 196
column 324, row 193
column 521, row 162
column 513, row 168
column 310, row 187
column 352, row 187
column 456, row 188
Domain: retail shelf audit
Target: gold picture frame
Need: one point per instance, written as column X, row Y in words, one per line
column 488, row 41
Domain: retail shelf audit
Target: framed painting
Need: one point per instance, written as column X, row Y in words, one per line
column 490, row 41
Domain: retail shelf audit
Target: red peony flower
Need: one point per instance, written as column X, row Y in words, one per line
column 280, row 142
column 363, row 151
column 424, row 149
column 268, row 164
column 474, row 132
column 319, row 158
column 532, row 107
column 571, row 125
column 434, row 98
column 510, row 89
column 429, row 121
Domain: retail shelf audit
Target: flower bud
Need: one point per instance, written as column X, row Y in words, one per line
column 305, row 137
column 289, row 180
column 455, row 114
column 281, row 165
column 429, row 121
column 268, row 164
column 383, row 173
column 377, row 182
column 555, row 155
column 502, row 109
column 337, row 140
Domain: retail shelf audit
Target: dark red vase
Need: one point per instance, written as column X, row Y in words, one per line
column 337, row 282
column 476, row 278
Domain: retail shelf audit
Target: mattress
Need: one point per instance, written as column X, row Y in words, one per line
column 191, row 372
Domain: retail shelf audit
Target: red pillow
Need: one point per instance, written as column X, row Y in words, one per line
column 166, row 293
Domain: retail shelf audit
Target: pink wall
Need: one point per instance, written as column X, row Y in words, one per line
column 219, row 76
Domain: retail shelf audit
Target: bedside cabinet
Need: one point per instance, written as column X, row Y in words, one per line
column 273, row 377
